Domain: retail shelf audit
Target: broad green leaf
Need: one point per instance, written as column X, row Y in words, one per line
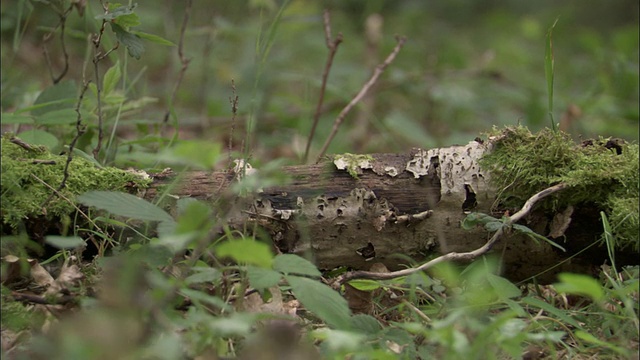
column 64, row 242
column 261, row 278
column 504, row 288
column 199, row 296
column 58, row 117
column 246, row 251
column 153, row 38
column 196, row 216
column 493, row 226
column 134, row 44
column 554, row 336
column 116, row 10
column 203, row 274
column 123, row 204
column 340, row 340
column 237, row 324
column 84, row 155
column 580, row 285
column 9, row 118
column 39, row 137
column 364, row 284
column 560, row 314
column 594, row 340
column 535, row 236
column 322, row 301
column 365, row 324
column 294, row 264
column 516, row 307
column 175, row 242
column 111, row 78
column 475, row 218
column 63, row 95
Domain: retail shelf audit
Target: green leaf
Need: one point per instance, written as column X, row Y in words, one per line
column 123, row 204
column 321, row 300
column 201, row 154
column 111, row 78
column 134, row 44
column 203, row 274
column 60, row 96
column 580, row 285
column 474, row 219
column 174, row 242
column 366, row 324
column 64, row 242
column 9, row 118
column 535, row 236
column 261, row 278
column 493, row 226
column 85, row 156
column 195, row 216
column 594, row 340
column 294, row 264
column 504, row 288
column 115, row 11
column 58, row 117
column 199, row 296
column 153, row 38
column 365, row 284
column 246, row 251
column 39, row 137
column 560, row 314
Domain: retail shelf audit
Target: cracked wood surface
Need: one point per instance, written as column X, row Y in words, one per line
column 398, row 207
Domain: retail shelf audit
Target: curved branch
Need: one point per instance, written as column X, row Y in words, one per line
column 526, row 208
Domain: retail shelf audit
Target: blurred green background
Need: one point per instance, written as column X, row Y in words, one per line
column 467, row 66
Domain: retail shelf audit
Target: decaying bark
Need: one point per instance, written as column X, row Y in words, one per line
column 387, row 207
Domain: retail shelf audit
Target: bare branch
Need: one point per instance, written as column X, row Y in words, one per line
column 363, row 91
column 233, row 100
column 526, row 208
column 45, row 39
column 80, row 130
column 183, row 60
column 333, row 48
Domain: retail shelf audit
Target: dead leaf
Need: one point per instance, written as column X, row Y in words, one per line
column 560, row 222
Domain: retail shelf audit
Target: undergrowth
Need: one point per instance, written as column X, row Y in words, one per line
column 184, row 284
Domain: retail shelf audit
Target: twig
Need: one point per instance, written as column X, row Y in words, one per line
column 183, row 60
column 16, row 140
column 80, row 130
column 97, row 57
column 379, row 69
column 233, row 100
column 333, row 48
column 526, row 208
column 45, row 39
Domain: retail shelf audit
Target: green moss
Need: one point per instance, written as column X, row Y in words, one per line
column 23, row 191
column 522, row 164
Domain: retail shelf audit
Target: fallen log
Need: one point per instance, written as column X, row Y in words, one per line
column 381, row 208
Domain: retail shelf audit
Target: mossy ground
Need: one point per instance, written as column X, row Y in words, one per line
column 522, row 164
column 23, row 191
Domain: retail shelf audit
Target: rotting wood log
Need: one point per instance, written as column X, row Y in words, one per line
column 387, row 207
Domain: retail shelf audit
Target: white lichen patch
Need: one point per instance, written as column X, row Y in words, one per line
column 458, row 165
column 419, row 165
column 454, row 166
column 391, row 171
column 354, row 164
